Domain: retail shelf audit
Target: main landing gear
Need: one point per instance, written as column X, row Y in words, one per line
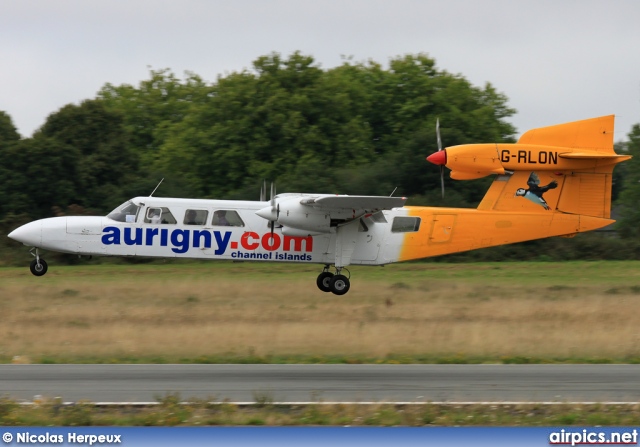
column 337, row 283
column 38, row 266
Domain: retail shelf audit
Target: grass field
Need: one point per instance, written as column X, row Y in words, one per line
column 254, row 312
column 169, row 412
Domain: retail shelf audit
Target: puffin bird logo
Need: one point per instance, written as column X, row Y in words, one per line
column 535, row 191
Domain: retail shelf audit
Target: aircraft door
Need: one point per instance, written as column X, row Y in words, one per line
column 442, row 228
column 369, row 238
column 227, row 229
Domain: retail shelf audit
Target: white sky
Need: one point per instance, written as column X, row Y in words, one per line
column 556, row 60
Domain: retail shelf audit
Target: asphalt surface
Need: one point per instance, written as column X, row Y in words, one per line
column 334, row 383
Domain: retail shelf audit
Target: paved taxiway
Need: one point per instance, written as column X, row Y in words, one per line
column 303, row 383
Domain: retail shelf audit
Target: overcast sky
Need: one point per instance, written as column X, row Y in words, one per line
column 556, row 60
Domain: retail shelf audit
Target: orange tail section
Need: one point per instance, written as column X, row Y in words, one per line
column 556, row 181
column 579, row 183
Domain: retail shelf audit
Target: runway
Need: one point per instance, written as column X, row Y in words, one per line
column 335, row 383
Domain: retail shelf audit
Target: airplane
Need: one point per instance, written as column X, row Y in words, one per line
column 555, row 181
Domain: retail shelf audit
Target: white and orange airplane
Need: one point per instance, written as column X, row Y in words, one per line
column 555, row 181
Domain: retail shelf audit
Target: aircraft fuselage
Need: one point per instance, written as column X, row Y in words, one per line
column 247, row 238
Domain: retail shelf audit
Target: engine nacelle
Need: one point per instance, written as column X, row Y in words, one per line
column 301, row 217
column 297, row 219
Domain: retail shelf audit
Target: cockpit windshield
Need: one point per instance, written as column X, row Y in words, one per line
column 127, row 212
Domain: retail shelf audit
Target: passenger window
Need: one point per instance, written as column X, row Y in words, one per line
column 159, row 216
column 226, row 218
column 195, row 217
column 405, row 224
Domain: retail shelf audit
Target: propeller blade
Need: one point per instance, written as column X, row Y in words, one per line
column 439, row 150
column 273, row 197
column 263, row 191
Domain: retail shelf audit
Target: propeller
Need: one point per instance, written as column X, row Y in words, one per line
column 275, row 209
column 439, row 158
column 440, row 149
column 271, row 212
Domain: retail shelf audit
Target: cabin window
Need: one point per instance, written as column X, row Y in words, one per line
column 127, row 212
column 195, row 217
column 405, row 224
column 227, row 218
column 159, row 215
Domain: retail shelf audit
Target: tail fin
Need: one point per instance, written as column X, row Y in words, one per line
column 582, row 182
column 594, row 133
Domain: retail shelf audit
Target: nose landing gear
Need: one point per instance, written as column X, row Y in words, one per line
column 38, row 266
column 337, row 283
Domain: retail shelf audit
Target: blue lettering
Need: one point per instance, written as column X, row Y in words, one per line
column 127, row 236
column 111, row 236
column 222, row 242
column 151, row 232
column 180, row 240
column 197, row 234
column 164, row 237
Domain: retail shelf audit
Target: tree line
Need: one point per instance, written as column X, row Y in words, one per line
column 358, row 128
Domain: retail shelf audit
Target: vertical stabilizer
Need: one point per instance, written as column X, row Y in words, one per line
column 594, row 133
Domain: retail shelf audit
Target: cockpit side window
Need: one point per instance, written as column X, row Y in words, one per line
column 127, row 212
column 159, row 215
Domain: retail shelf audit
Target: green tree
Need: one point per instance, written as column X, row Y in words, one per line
column 150, row 109
column 630, row 195
column 106, row 162
column 8, row 132
column 362, row 128
column 36, row 175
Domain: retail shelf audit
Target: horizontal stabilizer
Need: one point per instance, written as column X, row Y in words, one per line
column 594, row 155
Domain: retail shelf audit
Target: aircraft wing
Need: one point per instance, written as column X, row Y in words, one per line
column 366, row 204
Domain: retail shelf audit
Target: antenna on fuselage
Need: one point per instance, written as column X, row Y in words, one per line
column 156, row 187
column 393, row 192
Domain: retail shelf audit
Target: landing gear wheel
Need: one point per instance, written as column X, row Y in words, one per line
column 323, row 281
column 38, row 267
column 339, row 284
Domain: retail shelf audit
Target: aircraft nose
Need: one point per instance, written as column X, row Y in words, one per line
column 29, row 234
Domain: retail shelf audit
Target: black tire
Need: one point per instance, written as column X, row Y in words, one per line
column 339, row 284
column 324, row 280
column 38, row 270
